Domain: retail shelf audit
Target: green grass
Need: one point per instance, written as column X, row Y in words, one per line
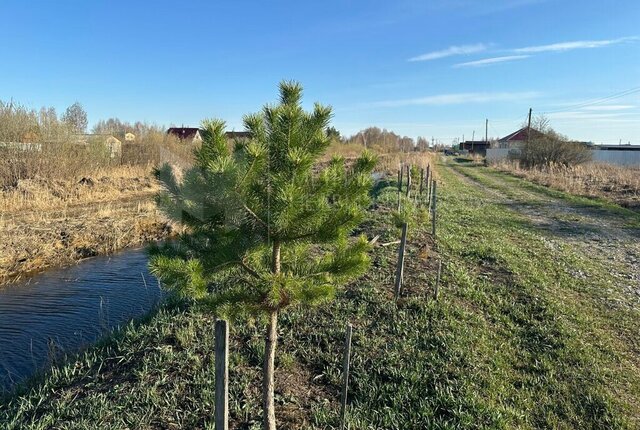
column 522, row 185
column 515, row 341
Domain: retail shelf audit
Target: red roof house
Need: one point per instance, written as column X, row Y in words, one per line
column 185, row 133
column 519, row 137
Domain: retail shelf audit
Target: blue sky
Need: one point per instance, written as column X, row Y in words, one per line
column 434, row 68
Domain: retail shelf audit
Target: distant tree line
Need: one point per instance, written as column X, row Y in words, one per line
column 21, row 124
column 381, row 140
column 117, row 126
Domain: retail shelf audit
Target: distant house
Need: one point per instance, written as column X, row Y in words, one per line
column 238, row 135
column 125, row 136
column 114, row 146
column 110, row 142
column 191, row 134
column 519, row 137
column 620, row 155
column 475, row 146
column 617, row 147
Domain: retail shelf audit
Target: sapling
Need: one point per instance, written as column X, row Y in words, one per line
column 268, row 226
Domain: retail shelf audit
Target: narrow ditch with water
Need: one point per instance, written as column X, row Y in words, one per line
column 64, row 310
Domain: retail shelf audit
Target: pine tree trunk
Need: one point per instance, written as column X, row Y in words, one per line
column 268, row 373
column 275, row 258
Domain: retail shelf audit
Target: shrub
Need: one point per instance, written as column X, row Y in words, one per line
column 553, row 150
column 49, row 160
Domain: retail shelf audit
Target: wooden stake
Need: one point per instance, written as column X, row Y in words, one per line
column 399, row 187
column 400, row 266
column 408, row 180
column 435, row 294
column 222, row 375
column 421, row 180
column 433, row 211
column 427, row 175
column 428, row 186
column 345, row 375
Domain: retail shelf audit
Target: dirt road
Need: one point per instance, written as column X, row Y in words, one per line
column 606, row 234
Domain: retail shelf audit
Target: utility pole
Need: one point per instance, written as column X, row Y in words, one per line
column 473, row 137
column 529, row 126
column 486, row 130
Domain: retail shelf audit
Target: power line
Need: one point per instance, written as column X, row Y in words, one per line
column 596, row 101
column 592, row 102
column 585, row 103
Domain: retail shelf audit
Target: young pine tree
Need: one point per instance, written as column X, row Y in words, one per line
column 268, row 227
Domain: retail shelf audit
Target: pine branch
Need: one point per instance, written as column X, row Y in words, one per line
column 254, row 216
column 249, row 270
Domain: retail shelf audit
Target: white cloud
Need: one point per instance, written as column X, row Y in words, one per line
column 568, row 46
column 608, row 107
column 489, row 61
column 457, row 98
column 451, row 51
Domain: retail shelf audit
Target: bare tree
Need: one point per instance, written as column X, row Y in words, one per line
column 422, row 144
column 540, row 123
column 76, row 117
column 387, row 141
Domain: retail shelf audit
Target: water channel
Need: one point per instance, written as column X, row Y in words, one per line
column 66, row 309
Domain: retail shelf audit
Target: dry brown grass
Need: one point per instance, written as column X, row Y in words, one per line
column 37, row 240
column 157, row 148
column 389, row 158
column 64, row 197
column 55, row 222
column 620, row 185
column 49, row 160
column 67, row 160
column 390, row 163
column 103, row 185
column 346, row 150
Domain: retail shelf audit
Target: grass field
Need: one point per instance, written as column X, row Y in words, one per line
column 529, row 332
